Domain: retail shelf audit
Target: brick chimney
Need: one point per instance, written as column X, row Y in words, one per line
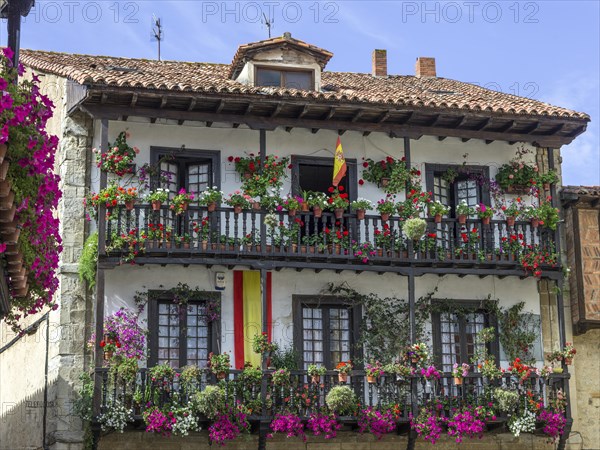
column 425, row 67
column 379, row 61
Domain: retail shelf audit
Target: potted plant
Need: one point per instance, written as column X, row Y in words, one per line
column 316, row 372
column 118, row 159
column 246, row 165
column 110, row 344
column 305, row 205
column 238, row 201
column 513, row 211
column 210, row 197
column 128, row 197
column 318, row 201
column 386, row 207
column 415, row 228
column 373, row 370
column 360, row 205
column 262, row 346
column 401, row 371
column 162, row 376
column 548, row 215
column 341, row 400
column 281, row 377
column 417, row 353
column 183, row 240
column 485, row 213
column 518, row 174
column 219, row 364
column 437, row 209
column 344, row 369
column 459, row 372
column 157, row 198
column 291, row 203
column 338, row 201
column 547, row 179
column 180, row 202
column 463, row 210
column 569, row 353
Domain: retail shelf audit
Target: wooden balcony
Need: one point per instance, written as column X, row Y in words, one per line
column 306, row 242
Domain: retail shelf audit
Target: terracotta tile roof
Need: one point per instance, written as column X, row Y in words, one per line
column 341, row 87
column 588, row 191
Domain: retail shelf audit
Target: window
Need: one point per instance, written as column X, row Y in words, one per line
column 463, row 185
column 454, row 335
column 295, row 79
column 325, row 330
column 180, row 336
column 316, row 174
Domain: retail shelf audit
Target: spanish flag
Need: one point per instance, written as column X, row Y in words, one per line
column 247, row 314
column 339, row 163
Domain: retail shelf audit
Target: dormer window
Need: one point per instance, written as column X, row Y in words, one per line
column 293, row 79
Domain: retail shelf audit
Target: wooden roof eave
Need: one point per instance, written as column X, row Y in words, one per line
column 405, row 128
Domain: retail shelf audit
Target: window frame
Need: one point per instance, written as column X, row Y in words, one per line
column 432, row 169
column 214, row 327
column 282, row 71
column 300, row 300
column 187, row 156
column 477, row 307
column 351, row 172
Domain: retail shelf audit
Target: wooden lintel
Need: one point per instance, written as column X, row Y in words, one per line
column 259, row 122
column 249, row 108
column 506, row 127
column 208, row 124
column 556, row 129
column 134, row 98
column 460, row 122
column 532, row 128
column 488, row 141
column 366, row 133
column 441, row 138
column 465, row 139
column 235, row 125
column 433, row 122
column 163, row 101
column 314, row 130
column 192, row 104
column 277, row 110
column 220, row 107
column 289, row 129
column 407, row 118
column 330, row 113
column 359, row 113
column 577, row 131
column 180, row 122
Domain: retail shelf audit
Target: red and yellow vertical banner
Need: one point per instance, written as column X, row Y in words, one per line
column 247, row 314
column 339, row 163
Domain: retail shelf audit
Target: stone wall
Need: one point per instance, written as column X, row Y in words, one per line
column 586, row 377
column 343, row 441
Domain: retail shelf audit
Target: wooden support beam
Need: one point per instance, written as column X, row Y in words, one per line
column 208, row 124
column 465, row 139
column 488, row 141
column 441, row 138
column 433, row 122
column 163, row 101
column 556, row 129
column 134, row 98
column 152, row 119
column 235, row 125
column 460, row 122
column 192, row 104
column 314, row 130
column 483, row 124
column 220, row 107
column 341, row 132
column 366, row 133
column 359, row 113
column 506, row 127
column 304, row 111
column 103, row 98
column 385, row 116
column 330, row 113
column 532, row 128
column 249, row 108
column 180, row 122
column 407, row 118
column 289, row 129
column 577, row 131
column 277, row 110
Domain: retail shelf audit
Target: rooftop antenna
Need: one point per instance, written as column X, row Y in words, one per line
column 157, row 32
column 268, row 23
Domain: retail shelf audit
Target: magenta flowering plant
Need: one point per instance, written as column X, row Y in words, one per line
column 124, row 326
column 469, row 422
column 118, row 158
column 325, row 424
column 159, row 422
column 376, row 422
column 180, row 202
column 290, row 424
column 427, row 424
column 374, row 369
column 430, row 373
column 460, row 371
column 554, row 423
column 24, row 113
column 227, row 427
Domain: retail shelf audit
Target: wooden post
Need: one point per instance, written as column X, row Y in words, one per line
column 263, row 228
column 100, row 281
column 103, row 183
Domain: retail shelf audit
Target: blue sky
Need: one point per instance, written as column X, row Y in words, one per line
column 547, row 50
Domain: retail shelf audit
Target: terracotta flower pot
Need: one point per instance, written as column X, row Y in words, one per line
column 458, row 381
column 256, row 206
column 317, row 211
column 371, row 379
column 315, row 379
column 535, row 223
column 247, row 175
column 304, row 207
column 339, row 212
column 510, row 221
column 21, row 292
column 7, row 201
column 184, row 206
column 385, row 216
column 5, row 188
column 4, row 170
column 129, row 204
column 291, row 212
column 462, row 219
column 221, row 375
column 108, row 355
column 385, row 182
column 437, row 218
column 237, row 209
column 485, row 220
column 546, row 186
column 3, row 150
column 342, row 377
column 568, row 361
column 212, row 206
column 156, row 205
column 8, row 214
column 360, row 214
column 204, row 245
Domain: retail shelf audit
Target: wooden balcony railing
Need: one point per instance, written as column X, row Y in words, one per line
column 303, row 397
column 147, row 234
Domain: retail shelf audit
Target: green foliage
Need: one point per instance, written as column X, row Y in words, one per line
column 125, row 368
column 415, row 228
column 285, row 358
column 84, row 402
column 210, row 401
column 89, row 260
column 342, row 400
column 518, row 332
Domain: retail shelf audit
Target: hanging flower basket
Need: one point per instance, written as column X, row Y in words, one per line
column 317, row 211
column 339, row 212
column 156, row 204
